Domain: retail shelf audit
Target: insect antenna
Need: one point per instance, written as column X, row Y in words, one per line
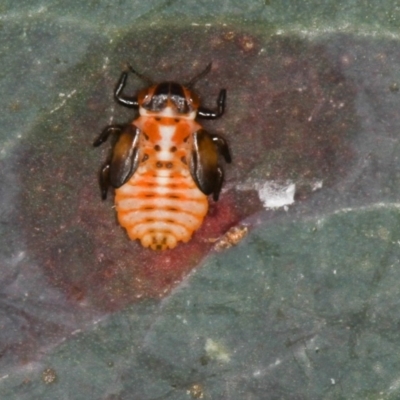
column 190, row 84
column 141, row 76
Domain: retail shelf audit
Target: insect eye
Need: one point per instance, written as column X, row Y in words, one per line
column 158, row 102
column 181, row 104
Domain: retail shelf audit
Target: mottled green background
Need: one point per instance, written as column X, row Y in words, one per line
column 305, row 307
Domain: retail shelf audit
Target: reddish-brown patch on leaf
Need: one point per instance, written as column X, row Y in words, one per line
column 289, row 116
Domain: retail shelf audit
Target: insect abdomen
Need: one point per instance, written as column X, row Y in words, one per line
column 157, row 215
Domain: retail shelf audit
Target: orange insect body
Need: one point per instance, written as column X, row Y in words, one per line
column 161, row 204
column 163, row 165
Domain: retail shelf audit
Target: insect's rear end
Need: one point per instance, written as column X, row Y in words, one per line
column 163, row 165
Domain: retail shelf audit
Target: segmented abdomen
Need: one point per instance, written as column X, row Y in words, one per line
column 161, row 205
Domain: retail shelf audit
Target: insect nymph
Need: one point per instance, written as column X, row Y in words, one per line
column 163, row 164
